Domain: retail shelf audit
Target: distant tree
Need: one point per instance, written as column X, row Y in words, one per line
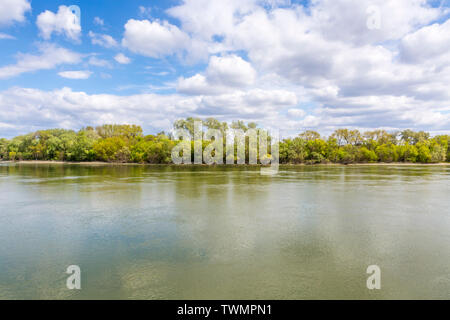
column 309, row 135
column 345, row 136
column 239, row 125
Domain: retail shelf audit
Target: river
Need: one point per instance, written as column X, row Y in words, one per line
column 167, row 232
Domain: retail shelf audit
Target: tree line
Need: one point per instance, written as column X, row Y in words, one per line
column 127, row 143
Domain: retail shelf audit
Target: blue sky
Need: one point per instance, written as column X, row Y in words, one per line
column 287, row 65
column 123, row 79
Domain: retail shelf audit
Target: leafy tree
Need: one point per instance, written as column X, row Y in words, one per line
column 424, row 154
column 366, row 155
column 317, row 150
column 410, row 137
column 345, row 136
column 3, row 149
column 111, row 149
column 239, row 125
column 187, row 124
column 376, row 138
column 438, row 152
column 387, row 153
column 309, row 135
column 117, row 130
column 408, row 153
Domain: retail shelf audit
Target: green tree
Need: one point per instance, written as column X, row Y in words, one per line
column 111, row 149
column 424, row 154
column 408, row 153
column 387, row 153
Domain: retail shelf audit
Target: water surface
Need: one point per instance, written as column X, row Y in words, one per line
column 165, row 232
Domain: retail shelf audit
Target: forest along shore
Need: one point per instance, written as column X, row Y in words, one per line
column 128, row 144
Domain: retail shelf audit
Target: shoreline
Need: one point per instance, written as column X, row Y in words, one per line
column 100, row 163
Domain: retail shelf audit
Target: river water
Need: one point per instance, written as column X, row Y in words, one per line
column 167, row 232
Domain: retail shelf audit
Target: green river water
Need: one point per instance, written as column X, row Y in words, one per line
column 167, row 232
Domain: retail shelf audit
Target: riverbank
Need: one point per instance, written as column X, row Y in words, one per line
column 99, row 163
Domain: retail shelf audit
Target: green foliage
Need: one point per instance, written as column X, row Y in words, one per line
column 152, row 149
column 293, row 151
column 387, row 153
column 119, row 130
column 111, row 149
column 317, row 150
column 126, row 143
column 424, row 155
column 366, row 155
column 3, row 149
column 408, row 153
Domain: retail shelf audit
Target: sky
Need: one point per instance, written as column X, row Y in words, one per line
column 287, row 65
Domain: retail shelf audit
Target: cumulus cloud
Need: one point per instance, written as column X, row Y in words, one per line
column 153, row 39
column 63, row 22
column 50, row 56
column 430, row 42
column 31, row 108
column 223, row 73
column 103, row 40
column 295, row 66
column 396, row 18
column 24, row 108
column 75, row 75
column 196, row 85
column 13, row 10
column 205, row 19
column 337, row 63
column 230, row 71
column 122, row 59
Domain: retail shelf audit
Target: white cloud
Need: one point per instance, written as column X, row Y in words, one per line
column 122, row 59
column 99, row 62
column 4, row 36
column 296, row 113
column 50, row 57
column 222, row 73
column 13, row 10
column 231, row 71
column 75, row 75
column 196, row 85
column 63, row 22
column 397, row 18
column 103, row 40
column 32, row 109
column 25, row 109
column 153, row 39
column 267, row 59
column 206, row 18
column 427, row 43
